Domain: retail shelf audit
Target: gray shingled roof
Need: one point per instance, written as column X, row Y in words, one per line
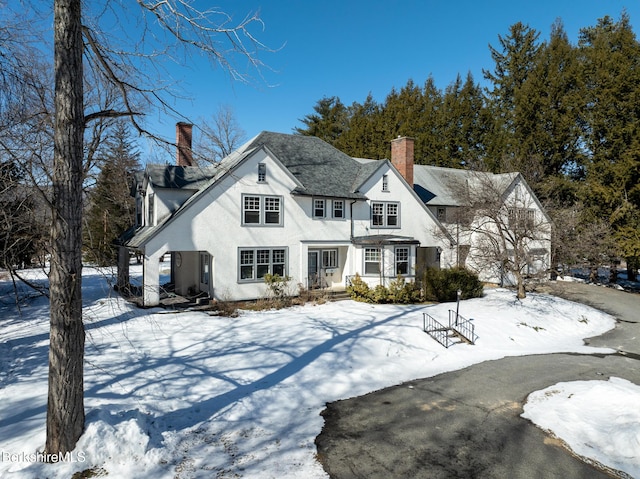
column 436, row 185
column 322, row 169
column 182, row 177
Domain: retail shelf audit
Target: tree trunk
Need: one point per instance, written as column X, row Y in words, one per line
column 65, row 407
column 632, row 269
column 521, row 291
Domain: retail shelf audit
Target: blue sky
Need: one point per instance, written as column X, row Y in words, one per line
column 350, row 48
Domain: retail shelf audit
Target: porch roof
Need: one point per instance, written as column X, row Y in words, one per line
column 377, row 240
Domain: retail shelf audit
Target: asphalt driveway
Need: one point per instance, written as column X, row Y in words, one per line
column 467, row 424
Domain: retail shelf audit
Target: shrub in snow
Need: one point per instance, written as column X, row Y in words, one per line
column 399, row 291
column 442, row 285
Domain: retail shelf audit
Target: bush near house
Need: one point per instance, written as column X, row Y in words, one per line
column 277, row 286
column 437, row 285
column 442, row 285
column 399, row 291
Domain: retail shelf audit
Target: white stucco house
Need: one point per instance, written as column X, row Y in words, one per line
column 506, row 221
column 491, row 218
column 282, row 204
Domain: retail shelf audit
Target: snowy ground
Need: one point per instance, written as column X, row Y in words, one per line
column 192, row 395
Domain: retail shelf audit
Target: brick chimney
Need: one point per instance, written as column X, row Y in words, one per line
column 402, row 157
column 183, row 143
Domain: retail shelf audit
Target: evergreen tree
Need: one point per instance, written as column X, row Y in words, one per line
column 514, row 64
column 428, row 128
column 363, row 136
column 111, row 209
column 463, row 121
column 413, row 112
column 610, row 54
column 547, row 115
column 329, row 121
column 23, row 222
column 557, row 86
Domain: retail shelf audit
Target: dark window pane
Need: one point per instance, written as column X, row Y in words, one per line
column 263, row 269
column 252, row 217
column 272, row 217
column 372, row 268
column 246, row 272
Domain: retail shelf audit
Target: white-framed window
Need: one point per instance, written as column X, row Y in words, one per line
column 522, row 218
column 385, row 182
column 330, row 258
column 402, row 260
column 247, row 265
column 260, row 210
column 256, row 263
column 372, row 258
column 272, row 210
column 319, row 208
column 338, row 208
column 385, row 214
column 262, row 173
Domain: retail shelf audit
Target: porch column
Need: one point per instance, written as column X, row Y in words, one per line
column 151, row 281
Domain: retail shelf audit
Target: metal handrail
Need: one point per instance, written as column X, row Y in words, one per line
column 464, row 327
column 436, row 330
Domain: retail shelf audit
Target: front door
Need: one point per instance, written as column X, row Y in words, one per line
column 313, row 269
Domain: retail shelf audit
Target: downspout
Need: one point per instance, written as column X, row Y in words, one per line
column 351, row 232
column 351, row 218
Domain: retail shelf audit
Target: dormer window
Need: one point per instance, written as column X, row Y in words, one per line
column 262, row 173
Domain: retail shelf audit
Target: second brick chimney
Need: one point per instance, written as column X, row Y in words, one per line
column 183, row 143
column 402, row 157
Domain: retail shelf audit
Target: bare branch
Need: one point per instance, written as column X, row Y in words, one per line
column 503, row 228
column 108, row 114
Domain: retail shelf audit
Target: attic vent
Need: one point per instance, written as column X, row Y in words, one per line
column 262, row 172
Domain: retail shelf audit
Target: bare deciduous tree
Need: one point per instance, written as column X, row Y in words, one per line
column 580, row 241
column 212, row 33
column 501, row 228
column 220, row 136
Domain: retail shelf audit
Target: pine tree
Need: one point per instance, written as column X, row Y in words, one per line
column 413, row 111
column 610, row 54
column 556, row 83
column 463, row 124
column 514, row 64
column 328, row 122
column 112, row 209
column 362, row 137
